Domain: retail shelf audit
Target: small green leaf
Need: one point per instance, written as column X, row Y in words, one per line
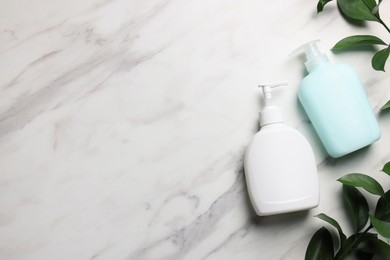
column 321, row 4
column 320, row 246
column 385, row 106
column 334, row 223
column 358, row 9
column 357, row 40
column 357, row 205
column 361, row 180
column 379, row 59
column 382, row 210
column 386, row 167
column 383, row 227
column 375, row 10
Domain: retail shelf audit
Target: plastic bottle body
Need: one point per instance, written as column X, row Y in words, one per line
column 337, row 105
column 280, row 171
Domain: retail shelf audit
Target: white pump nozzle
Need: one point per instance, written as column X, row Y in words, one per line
column 314, row 56
column 267, row 91
column 270, row 114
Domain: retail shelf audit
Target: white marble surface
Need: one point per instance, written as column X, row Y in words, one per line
column 123, row 126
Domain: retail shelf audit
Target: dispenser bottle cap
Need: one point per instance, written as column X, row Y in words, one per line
column 270, row 114
column 314, row 56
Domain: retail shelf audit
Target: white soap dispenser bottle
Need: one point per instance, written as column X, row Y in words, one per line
column 280, row 167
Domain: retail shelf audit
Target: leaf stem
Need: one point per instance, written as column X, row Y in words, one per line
column 383, row 23
column 368, row 228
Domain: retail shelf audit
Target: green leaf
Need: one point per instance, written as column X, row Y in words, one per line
column 376, row 246
column 383, row 227
column 357, row 205
column 334, row 223
column 385, row 106
column 370, row 4
column 321, row 4
column 351, row 244
column 320, row 246
column 357, row 40
column 382, row 210
column 358, row 9
column 375, row 10
column 361, row 180
column 386, row 167
column 379, row 59
column 361, row 255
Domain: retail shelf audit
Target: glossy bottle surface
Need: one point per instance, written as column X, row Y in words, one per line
column 337, row 105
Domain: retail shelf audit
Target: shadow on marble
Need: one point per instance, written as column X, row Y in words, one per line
column 289, row 219
column 347, row 159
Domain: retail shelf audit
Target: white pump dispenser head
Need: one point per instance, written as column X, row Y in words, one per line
column 314, row 56
column 270, row 114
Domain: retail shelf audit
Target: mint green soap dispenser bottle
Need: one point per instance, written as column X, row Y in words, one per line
column 336, row 103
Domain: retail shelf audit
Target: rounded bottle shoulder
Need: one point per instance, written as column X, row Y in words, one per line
column 279, row 132
column 327, row 75
column 326, row 69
